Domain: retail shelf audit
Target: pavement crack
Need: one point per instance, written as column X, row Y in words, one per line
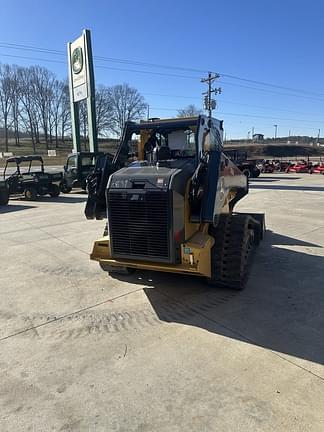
column 311, row 231
column 56, row 238
column 60, row 318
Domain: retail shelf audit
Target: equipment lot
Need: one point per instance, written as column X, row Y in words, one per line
column 81, row 351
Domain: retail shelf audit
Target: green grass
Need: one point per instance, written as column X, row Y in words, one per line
column 62, row 151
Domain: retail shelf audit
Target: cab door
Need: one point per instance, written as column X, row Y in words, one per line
column 71, row 170
column 87, row 164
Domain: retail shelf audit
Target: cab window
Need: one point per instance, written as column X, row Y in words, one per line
column 182, row 143
column 72, row 162
column 88, row 161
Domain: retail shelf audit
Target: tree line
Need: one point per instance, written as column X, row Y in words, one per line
column 35, row 104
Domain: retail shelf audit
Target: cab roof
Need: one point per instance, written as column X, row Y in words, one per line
column 181, row 122
column 19, row 159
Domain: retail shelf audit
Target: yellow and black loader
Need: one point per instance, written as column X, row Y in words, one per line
column 169, row 196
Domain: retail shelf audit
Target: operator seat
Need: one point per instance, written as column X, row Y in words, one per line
column 164, row 153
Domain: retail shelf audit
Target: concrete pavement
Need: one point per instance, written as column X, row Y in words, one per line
column 82, row 351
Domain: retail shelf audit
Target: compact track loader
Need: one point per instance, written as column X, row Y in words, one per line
column 169, row 196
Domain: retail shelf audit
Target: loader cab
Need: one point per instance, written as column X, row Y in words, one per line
column 162, row 142
column 172, row 139
column 174, row 144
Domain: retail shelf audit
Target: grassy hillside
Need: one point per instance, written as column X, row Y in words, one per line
column 258, row 151
column 63, row 149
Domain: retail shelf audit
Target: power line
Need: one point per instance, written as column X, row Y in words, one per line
column 295, row 126
column 225, row 101
column 272, row 85
column 155, row 65
column 103, row 67
column 154, row 94
column 173, row 75
column 33, row 58
column 19, row 47
column 272, row 91
column 249, row 115
column 125, row 61
column 148, row 72
column 164, row 74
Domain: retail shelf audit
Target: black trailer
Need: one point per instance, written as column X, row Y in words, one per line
column 25, row 175
column 247, row 166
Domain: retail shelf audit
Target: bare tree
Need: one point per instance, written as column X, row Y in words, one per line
column 28, row 114
column 125, row 103
column 83, row 119
column 55, row 108
column 103, row 111
column 42, row 81
column 15, row 103
column 36, row 104
column 65, row 113
column 190, row 111
column 6, row 98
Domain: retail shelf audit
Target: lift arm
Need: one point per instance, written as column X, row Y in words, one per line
column 106, row 164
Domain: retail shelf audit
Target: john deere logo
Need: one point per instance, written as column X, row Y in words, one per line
column 77, row 60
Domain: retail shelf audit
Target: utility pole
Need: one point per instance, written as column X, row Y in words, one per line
column 276, row 130
column 148, row 111
column 210, row 103
column 318, row 135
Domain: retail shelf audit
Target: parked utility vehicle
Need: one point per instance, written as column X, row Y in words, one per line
column 25, row 175
column 77, row 168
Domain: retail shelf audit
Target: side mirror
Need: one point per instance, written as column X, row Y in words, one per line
column 65, row 167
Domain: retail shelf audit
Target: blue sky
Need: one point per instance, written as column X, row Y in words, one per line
column 276, row 42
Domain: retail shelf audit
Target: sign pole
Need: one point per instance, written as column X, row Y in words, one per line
column 74, row 106
column 91, row 100
column 82, row 86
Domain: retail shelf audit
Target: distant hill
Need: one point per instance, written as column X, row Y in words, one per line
column 257, row 151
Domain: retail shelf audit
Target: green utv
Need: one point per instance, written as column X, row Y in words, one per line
column 25, row 176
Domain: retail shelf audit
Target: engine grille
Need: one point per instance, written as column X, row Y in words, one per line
column 139, row 224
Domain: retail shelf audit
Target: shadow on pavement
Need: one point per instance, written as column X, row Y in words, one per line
column 282, row 308
column 63, row 199
column 262, row 180
column 278, row 177
column 289, row 188
column 81, row 192
column 14, row 207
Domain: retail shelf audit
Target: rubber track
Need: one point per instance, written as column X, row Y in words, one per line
column 231, row 252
